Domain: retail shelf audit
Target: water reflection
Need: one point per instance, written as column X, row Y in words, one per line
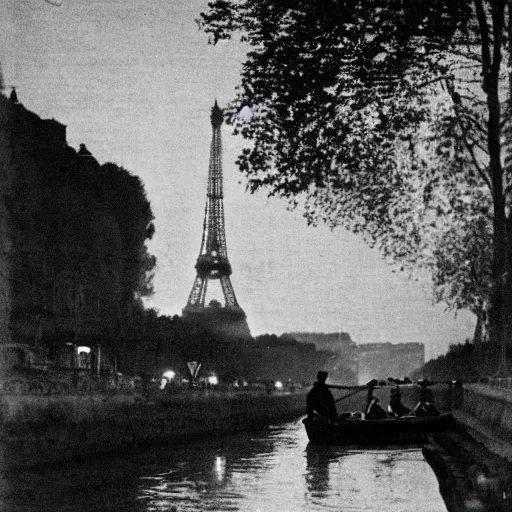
column 273, row 470
column 220, row 468
column 318, row 459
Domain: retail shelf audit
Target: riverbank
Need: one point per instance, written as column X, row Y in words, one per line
column 486, row 413
column 39, row 430
column 473, row 463
column 471, row 478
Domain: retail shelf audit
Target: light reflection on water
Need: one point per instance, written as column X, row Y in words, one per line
column 275, row 470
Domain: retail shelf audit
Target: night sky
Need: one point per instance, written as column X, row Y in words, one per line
column 135, row 80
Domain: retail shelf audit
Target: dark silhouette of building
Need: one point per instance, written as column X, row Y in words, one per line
column 339, row 342
column 63, row 264
column 343, row 361
column 283, row 358
column 220, row 312
column 383, row 360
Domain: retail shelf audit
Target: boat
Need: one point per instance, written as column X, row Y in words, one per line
column 357, row 431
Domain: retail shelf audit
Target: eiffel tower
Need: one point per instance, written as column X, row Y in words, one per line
column 212, row 302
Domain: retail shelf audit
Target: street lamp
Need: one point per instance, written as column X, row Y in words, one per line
column 169, row 375
column 167, row 378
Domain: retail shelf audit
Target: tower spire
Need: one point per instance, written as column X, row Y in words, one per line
column 217, row 116
column 212, row 305
column 14, row 96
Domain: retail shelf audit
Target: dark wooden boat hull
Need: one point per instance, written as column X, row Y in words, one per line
column 376, row 432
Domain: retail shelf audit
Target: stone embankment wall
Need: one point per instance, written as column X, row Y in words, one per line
column 486, row 413
column 473, row 462
column 38, row 430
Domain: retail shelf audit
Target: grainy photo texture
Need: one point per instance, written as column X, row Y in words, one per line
column 256, row 255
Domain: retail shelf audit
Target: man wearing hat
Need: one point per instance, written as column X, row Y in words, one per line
column 320, row 399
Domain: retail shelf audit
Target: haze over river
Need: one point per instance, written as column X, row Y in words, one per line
column 273, row 470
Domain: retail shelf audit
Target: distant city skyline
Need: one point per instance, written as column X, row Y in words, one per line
column 135, row 81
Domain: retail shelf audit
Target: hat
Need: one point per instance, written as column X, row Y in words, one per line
column 322, row 375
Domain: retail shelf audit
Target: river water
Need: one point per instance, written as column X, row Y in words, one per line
column 273, row 470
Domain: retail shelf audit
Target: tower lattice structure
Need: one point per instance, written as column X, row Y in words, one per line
column 213, row 265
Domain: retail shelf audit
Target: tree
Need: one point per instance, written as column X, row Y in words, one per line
column 350, row 99
column 125, row 196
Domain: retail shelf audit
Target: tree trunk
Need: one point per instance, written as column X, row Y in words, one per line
column 500, row 246
column 478, row 332
column 508, row 164
column 491, row 62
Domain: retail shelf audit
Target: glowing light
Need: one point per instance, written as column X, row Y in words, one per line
column 84, row 350
column 169, row 375
column 278, row 385
column 213, row 380
column 220, row 467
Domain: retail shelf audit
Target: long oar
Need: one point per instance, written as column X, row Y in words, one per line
column 349, row 395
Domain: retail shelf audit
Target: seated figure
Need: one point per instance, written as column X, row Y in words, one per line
column 425, row 406
column 374, row 411
column 424, row 409
column 396, row 407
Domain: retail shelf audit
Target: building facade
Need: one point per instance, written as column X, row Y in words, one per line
column 63, row 262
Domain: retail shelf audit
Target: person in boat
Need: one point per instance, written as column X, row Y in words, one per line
column 396, row 407
column 425, row 407
column 373, row 409
column 320, row 401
